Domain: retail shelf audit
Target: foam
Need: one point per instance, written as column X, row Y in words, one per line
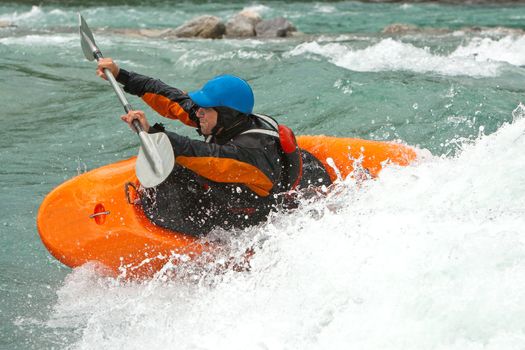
column 41, row 40
column 510, row 49
column 35, row 12
column 260, row 9
column 428, row 256
column 324, row 8
column 393, row 55
column 194, row 59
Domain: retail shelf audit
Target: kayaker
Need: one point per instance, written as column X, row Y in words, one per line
column 234, row 177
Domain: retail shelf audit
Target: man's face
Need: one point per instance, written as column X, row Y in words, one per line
column 208, row 119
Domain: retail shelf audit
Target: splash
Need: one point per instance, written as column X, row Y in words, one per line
column 426, row 256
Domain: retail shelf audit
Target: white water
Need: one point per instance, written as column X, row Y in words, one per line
column 35, row 12
column 510, row 49
column 429, row 256
column 480, row 57
column 41, row 17
column 32, row 40
column 202, row 57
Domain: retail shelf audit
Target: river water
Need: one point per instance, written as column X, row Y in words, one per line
column 430, row 256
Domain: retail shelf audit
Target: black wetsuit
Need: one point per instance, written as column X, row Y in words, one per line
column 230, row 180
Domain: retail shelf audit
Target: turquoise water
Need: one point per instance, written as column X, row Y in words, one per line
column 426, row 257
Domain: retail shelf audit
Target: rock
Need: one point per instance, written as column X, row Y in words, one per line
column 252, row 15
column 209, row 27
column 278, row 27
column 399, row 28
column 243, row 24
column 403, row 28
column 5, row 24
column 142, row 33
column 156, row 33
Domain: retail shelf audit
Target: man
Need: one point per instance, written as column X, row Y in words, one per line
column 235, row 176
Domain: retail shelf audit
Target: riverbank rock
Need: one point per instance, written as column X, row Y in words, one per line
column 278, row 27
column 156, row 33
column 6, row 24
column 141, row 33
column 208, row 27
column 399, row 28
column 243, row 24
column 404, row 28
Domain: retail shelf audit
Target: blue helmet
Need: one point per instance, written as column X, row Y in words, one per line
column 225, row 91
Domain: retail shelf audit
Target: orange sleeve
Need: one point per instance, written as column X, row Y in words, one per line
column 168, row 108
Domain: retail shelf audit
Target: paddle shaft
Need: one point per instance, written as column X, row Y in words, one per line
column 120, row 94
column 146, row 142
column 156, row 158
column 144, row 139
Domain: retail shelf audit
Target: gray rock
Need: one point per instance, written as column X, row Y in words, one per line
column 209, row 27
column 278, row 27
column 243, row 24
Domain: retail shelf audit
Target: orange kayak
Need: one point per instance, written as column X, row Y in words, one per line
column 92, row 217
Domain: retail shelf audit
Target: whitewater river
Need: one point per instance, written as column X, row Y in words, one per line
column 431, row 256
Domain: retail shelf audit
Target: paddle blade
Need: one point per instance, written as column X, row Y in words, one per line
column 155, row 164
column 86, row 39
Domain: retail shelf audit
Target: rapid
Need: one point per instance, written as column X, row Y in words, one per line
column 429, row 256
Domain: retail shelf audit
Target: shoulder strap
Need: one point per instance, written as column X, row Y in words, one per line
column 272, row 124
column 261, row 131
column 268, row 120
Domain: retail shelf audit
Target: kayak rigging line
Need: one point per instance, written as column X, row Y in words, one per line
column 92, row 216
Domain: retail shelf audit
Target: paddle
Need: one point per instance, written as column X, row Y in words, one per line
column 155, row 160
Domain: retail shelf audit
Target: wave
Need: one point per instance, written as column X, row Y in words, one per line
column 324, row 8
column 36, row 11
column 479, row 58
column 194, row 59
column 426, row 256
column 510, row 49
column 40, row 17
column 41, row 40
